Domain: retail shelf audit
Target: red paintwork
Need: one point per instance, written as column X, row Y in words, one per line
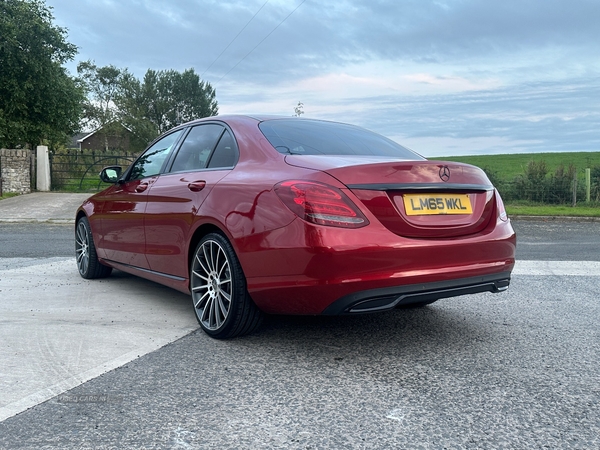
column 292, row 266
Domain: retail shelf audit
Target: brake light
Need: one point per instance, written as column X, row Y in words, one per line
column 320, row 204
column 500, row 205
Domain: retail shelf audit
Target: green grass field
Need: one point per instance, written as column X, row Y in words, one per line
column 509, row 166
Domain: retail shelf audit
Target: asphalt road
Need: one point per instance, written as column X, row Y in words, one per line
column 34, row 240
column 537, row 240
column 511, row 370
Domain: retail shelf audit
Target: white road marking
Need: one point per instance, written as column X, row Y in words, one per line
column 558, row 268
column 396, row 414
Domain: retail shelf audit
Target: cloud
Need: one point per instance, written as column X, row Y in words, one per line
column 515, row 75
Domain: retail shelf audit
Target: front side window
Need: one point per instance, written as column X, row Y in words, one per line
column 197, row 147
column 151, row 162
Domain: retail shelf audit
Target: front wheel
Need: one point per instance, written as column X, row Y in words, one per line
column 221, row 302
column 85, row 252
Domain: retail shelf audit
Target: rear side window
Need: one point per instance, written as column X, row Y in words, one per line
column 313, row 137
column 225, row 155
column 196, row 148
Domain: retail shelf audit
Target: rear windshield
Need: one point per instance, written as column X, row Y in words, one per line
column 313, row 137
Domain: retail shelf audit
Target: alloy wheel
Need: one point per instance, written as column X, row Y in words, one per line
column 211, row 285
column 82, row 247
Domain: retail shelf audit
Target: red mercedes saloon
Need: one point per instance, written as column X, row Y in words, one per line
column 254, row 215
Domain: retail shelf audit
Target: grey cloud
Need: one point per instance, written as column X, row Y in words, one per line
column 544, row 53
column 320, row 35
column 550, row 116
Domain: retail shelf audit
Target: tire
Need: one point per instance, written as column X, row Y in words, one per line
column 221, row 302
column 85, row 252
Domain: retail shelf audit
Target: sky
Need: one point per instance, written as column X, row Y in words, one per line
column 442, row 77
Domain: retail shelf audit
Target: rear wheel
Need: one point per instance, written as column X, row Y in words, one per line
column 85, row 251
column 221, row 302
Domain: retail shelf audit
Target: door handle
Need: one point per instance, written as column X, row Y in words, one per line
column 141, row 187
column 196, row 186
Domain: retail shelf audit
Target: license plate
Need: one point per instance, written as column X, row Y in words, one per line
column 433, row 204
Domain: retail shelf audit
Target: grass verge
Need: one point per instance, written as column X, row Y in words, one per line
column 8, row 195
column 581, row 210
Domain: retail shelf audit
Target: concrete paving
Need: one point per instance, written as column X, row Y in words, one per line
column 48, row 207
column 58, row 330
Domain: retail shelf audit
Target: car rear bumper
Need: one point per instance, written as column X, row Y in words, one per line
column 375, row 300
column 316, row 271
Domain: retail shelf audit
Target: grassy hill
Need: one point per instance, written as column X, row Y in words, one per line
column 509, row 166
column 511, row 176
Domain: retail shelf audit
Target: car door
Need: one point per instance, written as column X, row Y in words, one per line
column 207, row 154
column 122, row 219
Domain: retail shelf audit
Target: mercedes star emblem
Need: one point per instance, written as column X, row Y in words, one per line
column 445, row 173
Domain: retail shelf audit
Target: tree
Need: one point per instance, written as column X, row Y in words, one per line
column 298, row 109
column 39, row 101
column 165, row 99
column 103, row 87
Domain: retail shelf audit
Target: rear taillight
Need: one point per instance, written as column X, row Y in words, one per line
column 501, row 210
column 320, row 204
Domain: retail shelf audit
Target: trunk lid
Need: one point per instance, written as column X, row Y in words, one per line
column 426, row 199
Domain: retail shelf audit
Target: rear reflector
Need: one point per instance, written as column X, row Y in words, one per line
column 320, row 204
column 501, row 210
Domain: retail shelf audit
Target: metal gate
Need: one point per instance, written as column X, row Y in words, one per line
column 74, row 170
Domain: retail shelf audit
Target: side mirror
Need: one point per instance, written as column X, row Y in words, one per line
column 111, row 174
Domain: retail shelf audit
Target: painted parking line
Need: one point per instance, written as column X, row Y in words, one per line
column 58, row 330
column 557, row 268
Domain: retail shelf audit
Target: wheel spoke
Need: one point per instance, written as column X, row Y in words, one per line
column 225, row 295
column 198, row 288
column 211, row 317
column 207, row 259
column 206, row 270
column 198, row 304
column 223, row 267
column 201, row 300
column 80, row 233
column 218, row 320
column 206, row 310
column 200, row 276
column 222, row 307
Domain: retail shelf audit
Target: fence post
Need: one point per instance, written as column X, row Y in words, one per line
column 588, row 184
column 575, row 190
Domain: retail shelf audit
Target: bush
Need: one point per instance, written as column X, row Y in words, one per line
column 537, row 185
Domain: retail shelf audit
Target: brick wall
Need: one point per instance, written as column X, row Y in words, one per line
column 15, row 170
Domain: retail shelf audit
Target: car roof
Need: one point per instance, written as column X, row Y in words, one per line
column 257, row 117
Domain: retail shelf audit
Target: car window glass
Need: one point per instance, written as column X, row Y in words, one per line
column 314, row 137
column 225, row 155
column 152, row 160
column 196, row 148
